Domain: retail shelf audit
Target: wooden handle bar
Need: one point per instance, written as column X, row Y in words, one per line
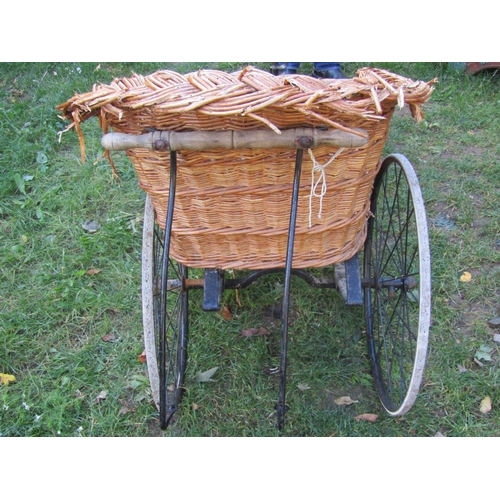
column 235, row 139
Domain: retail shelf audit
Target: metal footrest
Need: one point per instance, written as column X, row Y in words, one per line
column 212, row 289
column 348, row 281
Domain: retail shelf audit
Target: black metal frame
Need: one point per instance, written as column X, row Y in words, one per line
column 214, row 281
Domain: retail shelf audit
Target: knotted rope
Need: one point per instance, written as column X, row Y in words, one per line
column 321, row 181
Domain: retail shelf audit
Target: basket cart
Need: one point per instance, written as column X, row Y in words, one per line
column 262, row 173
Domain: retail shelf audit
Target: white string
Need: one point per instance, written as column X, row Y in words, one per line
column 320, row 182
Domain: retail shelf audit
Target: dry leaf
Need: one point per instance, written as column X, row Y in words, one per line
column 110, row 337
column 369, row 417
column 249, row 332
column 303, row 387
column 206, row 376
column 6, row 379
column 100, row 397
column 344, row 401
column 466, row 276
column 91, row 272
column 127, row 407
column 91, row 226
column 485, row 406
column 226, row 313
column 195, row 406
column 142, row 357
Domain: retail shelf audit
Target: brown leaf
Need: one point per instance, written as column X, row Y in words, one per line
column 127, row 407
column 93, row 271
column 142, row 357
column 225, row 312
column 369, row 417
column 249, row 332
column 110, row 337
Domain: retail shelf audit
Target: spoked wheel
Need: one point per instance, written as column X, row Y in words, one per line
column 165, row 318
column 397, row 281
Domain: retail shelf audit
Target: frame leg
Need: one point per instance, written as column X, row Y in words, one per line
column 164, row 418
column 281, row 406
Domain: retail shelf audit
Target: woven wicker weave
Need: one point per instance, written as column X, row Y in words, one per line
column 232, row 207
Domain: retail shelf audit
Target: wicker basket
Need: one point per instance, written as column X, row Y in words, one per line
column 233, row 206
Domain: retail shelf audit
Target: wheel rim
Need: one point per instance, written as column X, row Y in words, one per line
column 398, row 298
column 165, row 334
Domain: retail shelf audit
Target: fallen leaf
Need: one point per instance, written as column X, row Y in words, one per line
column 303, row 387
column 110, row 337
column 127, row 407
column 484, row 352
column 369, row 417
column 91, row 272
column 249, row 332
column 466, row 276
column 485, row 406
column 344, row 401
column 462, row 369
column 91, row 226
column 496, row 337
column 225, row 312
column 439, row 435
column 100, row 397
column 6, row 379
column 494, row 322
column 195, row 406
column 206, row 376
column 142, row 357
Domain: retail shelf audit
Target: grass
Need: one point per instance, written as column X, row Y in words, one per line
column 70, row 310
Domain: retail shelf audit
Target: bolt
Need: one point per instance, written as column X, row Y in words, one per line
column 305, row 141
column 160, row 145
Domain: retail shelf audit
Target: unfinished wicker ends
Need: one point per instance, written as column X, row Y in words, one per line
column 232, row 205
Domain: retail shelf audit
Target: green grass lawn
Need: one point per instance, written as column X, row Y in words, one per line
column 70, row 300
